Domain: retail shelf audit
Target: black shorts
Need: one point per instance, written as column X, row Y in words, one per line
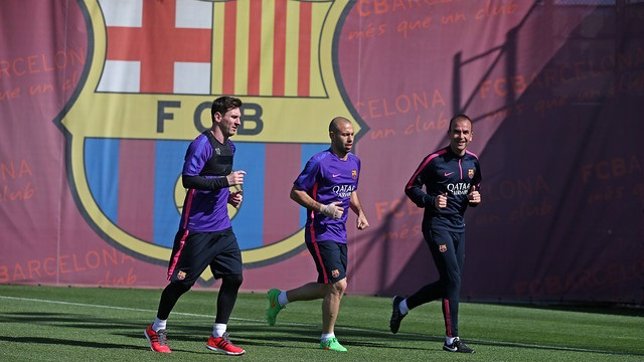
column 330, row 260
column 193, row 252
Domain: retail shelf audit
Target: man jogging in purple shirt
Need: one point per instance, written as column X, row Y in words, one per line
column 205, row 237
column 327, row 189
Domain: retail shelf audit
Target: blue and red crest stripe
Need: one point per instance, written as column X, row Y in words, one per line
column 133, row 192
column 280, row 219
column 136, row 188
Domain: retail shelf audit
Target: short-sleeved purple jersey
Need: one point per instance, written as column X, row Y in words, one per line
column 327, row 178
column 204, row 210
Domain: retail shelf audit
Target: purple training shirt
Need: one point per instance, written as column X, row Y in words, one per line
column 327, row 178
column 207, row 210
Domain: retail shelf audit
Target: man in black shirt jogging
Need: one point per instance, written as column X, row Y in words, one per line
column 452, row 177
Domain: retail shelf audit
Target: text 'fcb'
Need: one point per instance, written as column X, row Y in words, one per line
column 251, row 118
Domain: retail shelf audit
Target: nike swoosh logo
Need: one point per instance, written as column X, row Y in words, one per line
column 447, row 173
column 335, row 175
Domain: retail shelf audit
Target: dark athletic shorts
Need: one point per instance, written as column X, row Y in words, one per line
column 193, row 252
column 330, row 260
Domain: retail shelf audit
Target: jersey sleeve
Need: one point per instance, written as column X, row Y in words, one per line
column 197, row 154
column 204, row 183
column 307, row 178
column 476, row 180
column 414, row 187
column 359, row 166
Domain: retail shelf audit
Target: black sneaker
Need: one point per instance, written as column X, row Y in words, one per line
column 457, row 346
column 396, row 316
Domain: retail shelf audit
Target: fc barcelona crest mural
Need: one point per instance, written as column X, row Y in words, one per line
column 144, row 97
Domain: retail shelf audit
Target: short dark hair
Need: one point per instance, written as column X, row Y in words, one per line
column 456, row 118
column 333, row 126
column 224, row 104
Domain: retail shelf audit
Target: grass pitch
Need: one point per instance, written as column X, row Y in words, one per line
column 101, row 324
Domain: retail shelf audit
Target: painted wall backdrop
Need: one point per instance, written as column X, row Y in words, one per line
column 99, row 99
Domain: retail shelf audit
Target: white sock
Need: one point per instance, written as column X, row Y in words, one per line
column 404, row 309
column 282, row 299
column 218, row 329
column 159, row 324
column 327, row 336
column 450, row 340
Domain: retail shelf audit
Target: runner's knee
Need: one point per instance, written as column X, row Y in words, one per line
column 232, row 281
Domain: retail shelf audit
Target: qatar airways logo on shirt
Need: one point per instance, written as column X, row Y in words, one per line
column 461, row 188
column 343, row 190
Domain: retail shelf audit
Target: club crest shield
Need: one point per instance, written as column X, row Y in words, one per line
column 152, row 71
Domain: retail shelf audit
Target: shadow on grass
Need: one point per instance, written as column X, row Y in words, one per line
column 286, row 336
column 607, row 308
column 597, row 309
column 98, row 327
column 67, row 342
column 290, row 337
column 66, row 320
column 554, row 348
column 477, row 342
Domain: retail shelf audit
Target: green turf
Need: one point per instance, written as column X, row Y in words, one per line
column 89, row 324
